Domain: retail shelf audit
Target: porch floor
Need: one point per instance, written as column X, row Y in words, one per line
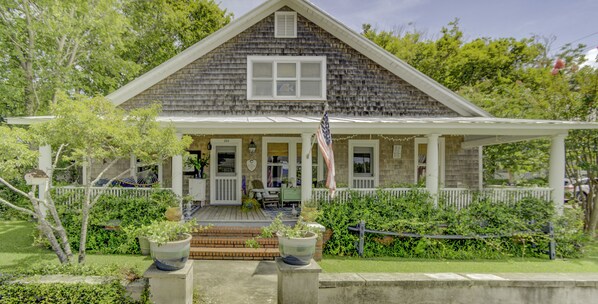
column 234, row 216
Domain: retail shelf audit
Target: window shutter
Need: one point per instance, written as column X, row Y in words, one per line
column 285, row 25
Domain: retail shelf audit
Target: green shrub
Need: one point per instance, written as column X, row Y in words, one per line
column 8, row 213
column 112, row 292
column 128, row 213
column 517, row 229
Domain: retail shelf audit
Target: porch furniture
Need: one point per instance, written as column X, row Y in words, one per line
column 290, row 195
column 262, row 195
column 197, row 189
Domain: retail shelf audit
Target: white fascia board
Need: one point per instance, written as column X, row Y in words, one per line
column 194, row 52
column 387, row 60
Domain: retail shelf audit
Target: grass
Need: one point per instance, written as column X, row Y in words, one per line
column 17, row 251
column 527, row 265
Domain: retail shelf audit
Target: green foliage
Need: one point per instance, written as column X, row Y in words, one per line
column 277, row 227
column 518, row 227
column 162, row 232
column 91, row 47
column 249, row 204
column 132, row 213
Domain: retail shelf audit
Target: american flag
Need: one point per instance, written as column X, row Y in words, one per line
column 325, row 144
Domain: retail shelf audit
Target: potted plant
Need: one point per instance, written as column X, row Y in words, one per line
column 170, row 243
column 173, row 211
column 297, row 244
column 200, row 164
column 249, row 204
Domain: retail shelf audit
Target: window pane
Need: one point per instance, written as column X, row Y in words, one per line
column 277, row 166
column 262, row 88
column 311, row 88
column 262, row 69
column 226, row 159
column 286, row 70
column 286, row 88
column 310, row 69
column 362, row 161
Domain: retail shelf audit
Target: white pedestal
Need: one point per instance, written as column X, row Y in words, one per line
column 197, row 189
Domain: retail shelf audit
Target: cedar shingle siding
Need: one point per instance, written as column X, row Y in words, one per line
column 216, row 84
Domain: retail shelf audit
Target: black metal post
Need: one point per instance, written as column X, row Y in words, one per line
column 552, row 247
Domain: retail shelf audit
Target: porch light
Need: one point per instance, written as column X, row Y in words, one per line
column 209, row 145
column 252, row 147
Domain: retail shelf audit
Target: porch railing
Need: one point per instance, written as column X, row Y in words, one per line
column 456, row 197
column 75, row 194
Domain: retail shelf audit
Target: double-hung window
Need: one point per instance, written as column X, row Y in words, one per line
column 286, row 78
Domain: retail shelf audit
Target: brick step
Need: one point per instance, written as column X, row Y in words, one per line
column 229, row 231
column 230, row 242
column 204, row 253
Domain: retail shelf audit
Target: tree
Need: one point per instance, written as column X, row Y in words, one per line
column 160, row 29
column 90, row 133
column 90, row 47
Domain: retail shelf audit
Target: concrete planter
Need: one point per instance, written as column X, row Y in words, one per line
column 144, row 245
column 171, row 255
column 297, row 251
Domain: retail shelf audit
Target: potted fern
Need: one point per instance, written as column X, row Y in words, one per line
column 170, row 243
column 297, row 244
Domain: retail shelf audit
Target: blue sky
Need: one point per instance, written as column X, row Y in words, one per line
column 569, row 21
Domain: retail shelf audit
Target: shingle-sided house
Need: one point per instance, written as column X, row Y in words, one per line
column 264, row 80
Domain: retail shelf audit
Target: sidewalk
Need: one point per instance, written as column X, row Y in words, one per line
column 234, row 282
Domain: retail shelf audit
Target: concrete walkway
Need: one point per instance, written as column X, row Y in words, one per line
column 233, row 282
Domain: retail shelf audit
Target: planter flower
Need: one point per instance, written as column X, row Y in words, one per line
column 170, row 243
column 297, row 244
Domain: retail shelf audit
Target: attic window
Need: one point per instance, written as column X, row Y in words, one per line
column 285, row 25
column 286, row 78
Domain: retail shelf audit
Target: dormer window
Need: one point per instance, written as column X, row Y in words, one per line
column 285, row 25
column 286, row 78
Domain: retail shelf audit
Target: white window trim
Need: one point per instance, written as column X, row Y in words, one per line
column 286, row 59
column 370, row 143
column 441, row 158
column 276, row 16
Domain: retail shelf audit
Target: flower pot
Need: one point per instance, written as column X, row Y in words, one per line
column 144, row 245
column 173, row 214
column 297, row 251
column 171, row 255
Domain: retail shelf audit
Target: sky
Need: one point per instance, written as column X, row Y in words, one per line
column 571, row 21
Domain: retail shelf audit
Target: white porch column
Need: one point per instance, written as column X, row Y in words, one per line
column 44, row 164
column 306, row 176
column 432, row 171
column 177, row 173
column 557, row 171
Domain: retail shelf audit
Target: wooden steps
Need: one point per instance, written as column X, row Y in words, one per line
column 228, row 243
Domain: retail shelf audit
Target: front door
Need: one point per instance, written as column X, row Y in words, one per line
column 225, row 172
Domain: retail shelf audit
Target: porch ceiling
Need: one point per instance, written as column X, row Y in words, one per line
column 480, row 130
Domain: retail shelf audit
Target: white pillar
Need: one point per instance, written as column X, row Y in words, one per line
column 481, row 168
column 557, row 171
column 177, row 173
column 306, row 174
column 44, row 164
column 432, row 171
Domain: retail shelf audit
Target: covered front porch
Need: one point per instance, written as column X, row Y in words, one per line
column 441, row 154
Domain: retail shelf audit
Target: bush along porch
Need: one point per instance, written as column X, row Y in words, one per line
column 518, row 227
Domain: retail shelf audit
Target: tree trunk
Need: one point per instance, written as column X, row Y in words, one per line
column 593, row 201
column 83, row 240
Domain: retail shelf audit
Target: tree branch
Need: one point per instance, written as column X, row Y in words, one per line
column 7, row 203
column 104, row 171
column 13, row 188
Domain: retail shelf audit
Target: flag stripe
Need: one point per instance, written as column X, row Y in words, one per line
column 325, row 144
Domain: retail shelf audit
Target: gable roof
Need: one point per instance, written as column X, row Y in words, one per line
column 363, row 45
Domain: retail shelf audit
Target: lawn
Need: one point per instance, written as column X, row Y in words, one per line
column 16, row 251
column 354, row 264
